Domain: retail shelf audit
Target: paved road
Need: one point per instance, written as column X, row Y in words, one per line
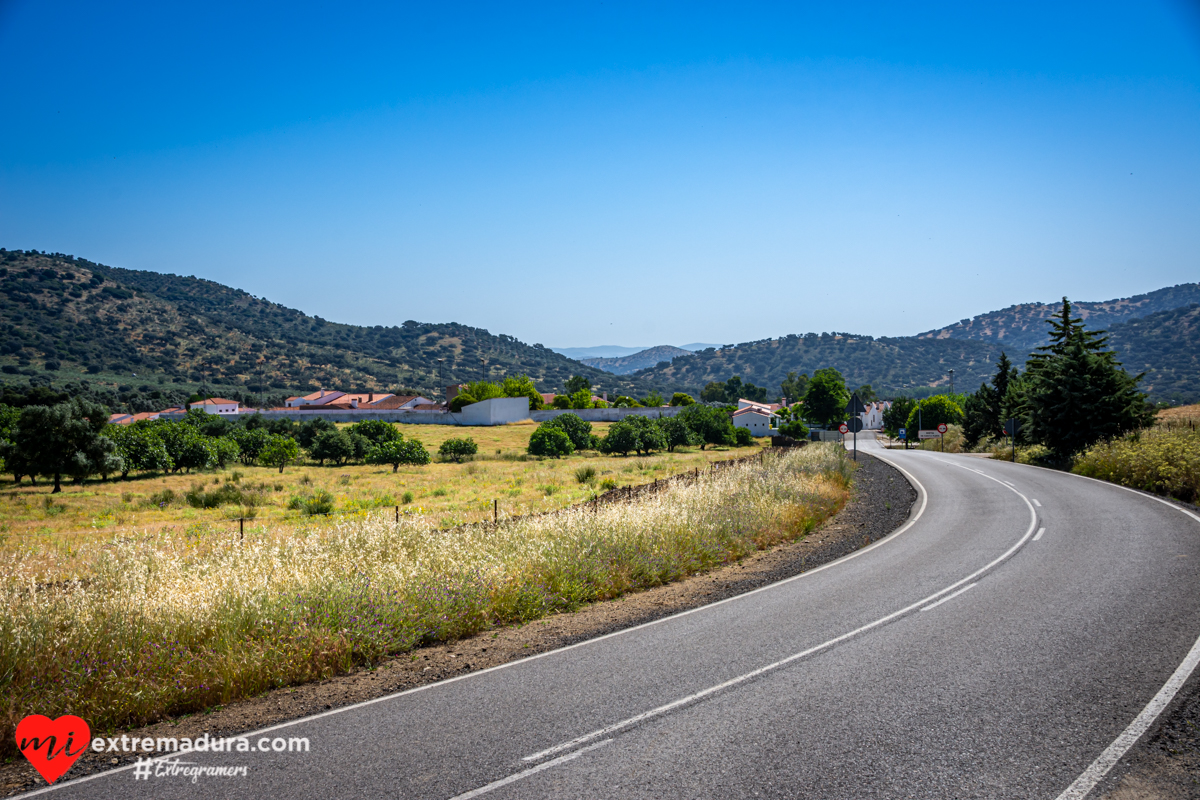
column 972, row 654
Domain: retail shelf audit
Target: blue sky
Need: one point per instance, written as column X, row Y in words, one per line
column 607, row 173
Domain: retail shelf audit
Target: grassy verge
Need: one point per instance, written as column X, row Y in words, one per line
column 1163, row 461
column 136, row 628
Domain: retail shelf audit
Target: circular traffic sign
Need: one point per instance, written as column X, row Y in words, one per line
column 942, row 428
column 844, row 428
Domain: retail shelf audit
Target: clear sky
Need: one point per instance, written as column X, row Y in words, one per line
column 604, row 173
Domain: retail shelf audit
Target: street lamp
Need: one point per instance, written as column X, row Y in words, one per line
column 951, row 381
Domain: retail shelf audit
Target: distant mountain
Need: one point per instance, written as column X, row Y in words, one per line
column 600, row 351
column 649, row 357
column 694, row 346
column 68, row 319
column 1022, row 327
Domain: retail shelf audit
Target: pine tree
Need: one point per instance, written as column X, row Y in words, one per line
column 1077, row 393
column 986, row 411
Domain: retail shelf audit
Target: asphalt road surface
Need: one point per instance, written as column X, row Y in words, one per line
column 993, row 647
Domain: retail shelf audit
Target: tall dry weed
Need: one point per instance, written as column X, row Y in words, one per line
column 125, row 632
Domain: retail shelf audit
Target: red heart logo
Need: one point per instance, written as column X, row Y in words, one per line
column 53, row 745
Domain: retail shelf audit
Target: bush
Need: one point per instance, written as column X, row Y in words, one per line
column 575, row 428
column 742, row 437
column 315, row 503
column 795, row 429
column 561, row 401
column 633, row 433
column 458, row 449
column 550, row 441
column 681, row 399
column 406, row 498
column 1158, row 461
column 585, row 474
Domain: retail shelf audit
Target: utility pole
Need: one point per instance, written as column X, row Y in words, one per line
column 951, row 381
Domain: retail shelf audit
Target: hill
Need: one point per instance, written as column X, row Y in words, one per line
column 649, row 357
column 1166, row 346
column 1021, row 327
column 890, row 365
column 68, row 320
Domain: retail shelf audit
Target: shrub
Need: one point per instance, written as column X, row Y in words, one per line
column 458, row 449
column 794, row 428
column 1159, row 461
column 608, row 484
column 318, row 502
column 742, row 437
column 550, row 441
column 585, row 474
column 406, row 498
column 575, row 428
column 681, row 399
column 561, row 401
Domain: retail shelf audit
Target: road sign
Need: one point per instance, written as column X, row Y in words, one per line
column 1012, row 427
column 942, row 428
column 928, row 434
column 844, row 428
column 903, row 433
column 855, row 424
column 855, row 406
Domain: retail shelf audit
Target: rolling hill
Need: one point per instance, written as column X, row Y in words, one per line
column 65, row 319
column 1021, row 327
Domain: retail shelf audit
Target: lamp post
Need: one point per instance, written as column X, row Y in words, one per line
column 951, row 381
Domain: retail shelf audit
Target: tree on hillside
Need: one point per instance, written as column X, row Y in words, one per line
column 713, row 392
column 826, row 397
column 581, row 399
column 681, row 399
column 654, row 400
column 866, row 394
column 1076, row 392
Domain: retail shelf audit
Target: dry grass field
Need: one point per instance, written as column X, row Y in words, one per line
column 447, row 493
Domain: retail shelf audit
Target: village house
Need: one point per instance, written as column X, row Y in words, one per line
column 215, row 405
column 758, row 419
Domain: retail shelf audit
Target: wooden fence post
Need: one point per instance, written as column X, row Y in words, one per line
column 397, row 515
column 496, row 511
column 241, row 529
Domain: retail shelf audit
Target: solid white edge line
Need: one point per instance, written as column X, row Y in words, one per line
column 663, row 709
column 952, row 596
column 520, row 775
column 1096, row 771
column 923, row 500
column 1039, row 534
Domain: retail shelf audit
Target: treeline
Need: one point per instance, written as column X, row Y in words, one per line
column 695, row 425
column 73, row 440
column 578, row 397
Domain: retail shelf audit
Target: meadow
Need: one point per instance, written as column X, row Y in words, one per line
column 501, row 477
column 1164, row 459
column 129, row 628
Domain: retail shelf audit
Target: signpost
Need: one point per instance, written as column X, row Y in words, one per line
column 854, row 410
column 1011, row 428
column 843, row 429
column 904, row 436
column 941, row 429
column 928, row 434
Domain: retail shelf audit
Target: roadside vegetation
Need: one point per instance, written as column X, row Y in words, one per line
column 125, row 630
column 1164, row 459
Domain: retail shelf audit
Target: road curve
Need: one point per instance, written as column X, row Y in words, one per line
column 993, row 647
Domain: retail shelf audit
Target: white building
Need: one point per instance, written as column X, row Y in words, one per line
column 872, row 418
column 757, row 419
column 216, row 405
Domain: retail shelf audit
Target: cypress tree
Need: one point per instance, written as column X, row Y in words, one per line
column 1077, row 393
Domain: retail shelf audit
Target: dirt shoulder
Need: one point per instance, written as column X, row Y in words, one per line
column 881, row 502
